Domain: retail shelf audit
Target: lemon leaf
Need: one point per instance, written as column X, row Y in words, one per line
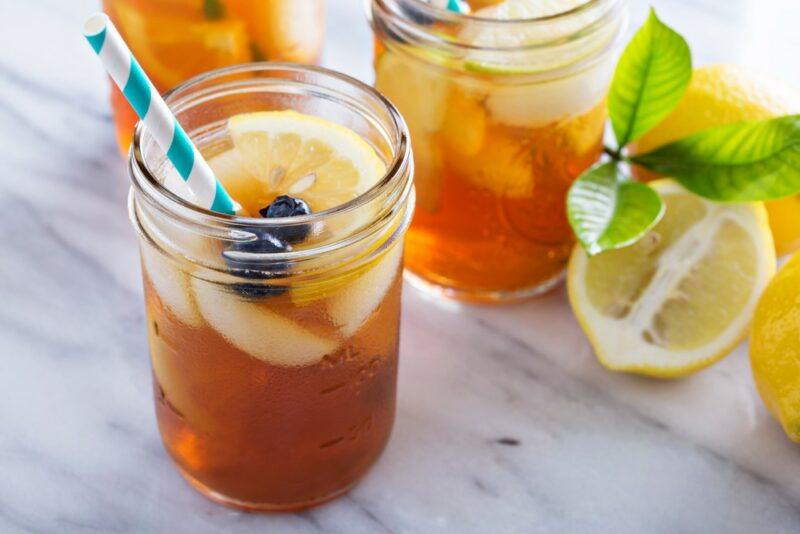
column 742, row 162
column 608, row 211
column 651, row 76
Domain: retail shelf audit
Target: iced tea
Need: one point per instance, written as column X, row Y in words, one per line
column 177, row 39
column 274, row 335
column 506, row 107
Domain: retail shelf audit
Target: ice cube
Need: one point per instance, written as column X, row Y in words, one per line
column 538, row 104
column 171, row 284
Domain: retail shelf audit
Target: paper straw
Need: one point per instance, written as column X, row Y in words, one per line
column 156, row 115
column 456, row 6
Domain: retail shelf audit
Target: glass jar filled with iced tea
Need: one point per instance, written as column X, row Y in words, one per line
column 274, row 333
column 177, row 39
column 505, row 103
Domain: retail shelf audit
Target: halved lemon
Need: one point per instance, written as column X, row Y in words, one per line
column 290, row 153
column 725, row 94
column 683, row 296
column 173, row 48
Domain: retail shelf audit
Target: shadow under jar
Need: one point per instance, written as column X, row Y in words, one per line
column 274, row 374
column 503, row 115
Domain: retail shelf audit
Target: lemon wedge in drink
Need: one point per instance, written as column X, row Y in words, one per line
column 355, row 303
column 683, row 296
column 290, row 153
column 173, row 47
column 258, row 331
column 282, row 30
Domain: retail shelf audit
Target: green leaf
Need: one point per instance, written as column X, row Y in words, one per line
column 651, row 77
column 742, row 162
column 213, row 9
column 608, row 211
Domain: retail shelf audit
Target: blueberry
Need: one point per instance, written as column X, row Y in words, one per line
column 265, row 243
column 286, row 206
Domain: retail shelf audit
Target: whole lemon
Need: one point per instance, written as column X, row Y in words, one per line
column 724, row 94
column 775, row 347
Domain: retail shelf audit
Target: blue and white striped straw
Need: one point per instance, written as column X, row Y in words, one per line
column 459, row 6
column 156, row 115
column 456, row 6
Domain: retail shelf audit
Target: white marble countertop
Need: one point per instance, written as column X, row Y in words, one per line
column 506, row 422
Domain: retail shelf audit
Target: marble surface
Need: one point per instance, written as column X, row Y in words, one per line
column 506, row 422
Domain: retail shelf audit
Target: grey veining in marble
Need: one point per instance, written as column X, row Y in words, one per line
column 506, row 422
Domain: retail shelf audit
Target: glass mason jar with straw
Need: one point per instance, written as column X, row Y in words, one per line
column 505, row 101
column 273, row 340
column 177, row 39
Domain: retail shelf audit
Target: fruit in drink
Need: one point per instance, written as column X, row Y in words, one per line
column 498, row 140
column 275, row 391
column 174, row 40
column 724, row 94
column 683, row 296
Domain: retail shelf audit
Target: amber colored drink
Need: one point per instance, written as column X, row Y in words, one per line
column 504, row 115
column 177, row 39
column 257, row 432
column 274, row 338
column 497, row 218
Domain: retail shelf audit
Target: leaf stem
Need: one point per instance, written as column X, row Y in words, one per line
column 615, row 154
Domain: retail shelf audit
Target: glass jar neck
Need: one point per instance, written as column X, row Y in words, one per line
column 546, row 46
column 203, row 105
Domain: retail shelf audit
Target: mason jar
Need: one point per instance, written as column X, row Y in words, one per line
column 506, row 107
column 274, row 384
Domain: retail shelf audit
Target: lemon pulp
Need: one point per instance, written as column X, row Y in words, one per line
column 683, row 296
column 289, row 153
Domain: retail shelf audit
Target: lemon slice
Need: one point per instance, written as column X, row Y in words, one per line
column 289, row 153
column 684, row 295
column 258, row 331
column 354, row 304
column 173, row 48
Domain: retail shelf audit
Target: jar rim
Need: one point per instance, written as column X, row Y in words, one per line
column 394, row 16
column 445, row 14
column 145, row 181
